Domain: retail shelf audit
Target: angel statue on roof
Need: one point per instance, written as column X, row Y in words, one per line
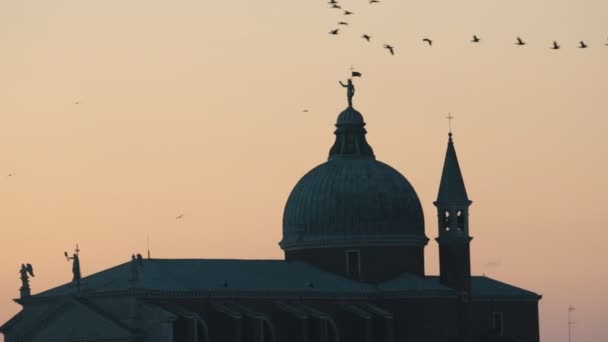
column 26, row 271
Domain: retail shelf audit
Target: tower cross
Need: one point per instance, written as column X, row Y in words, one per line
column 450, row 117
column 352, row 68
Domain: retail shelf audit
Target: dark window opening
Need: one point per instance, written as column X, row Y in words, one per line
column 353, row 264
column 460, row 219
column 497, row 323
column 446, row 220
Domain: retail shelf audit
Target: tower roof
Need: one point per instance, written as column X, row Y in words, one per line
column 451, row 188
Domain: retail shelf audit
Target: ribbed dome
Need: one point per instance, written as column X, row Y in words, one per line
column 352, row 199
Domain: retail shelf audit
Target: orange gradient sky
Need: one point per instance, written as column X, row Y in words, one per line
column 195, row 107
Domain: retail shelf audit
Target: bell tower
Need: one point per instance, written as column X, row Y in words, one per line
column 453, row 216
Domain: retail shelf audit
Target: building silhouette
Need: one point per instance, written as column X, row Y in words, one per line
column 353, row 237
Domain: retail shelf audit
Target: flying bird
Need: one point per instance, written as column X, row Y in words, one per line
column 343, row 23
column 305, row 111
column 430, row 42
column 348, row 13
column 332, row 2
column 366, row 37
column 555, row 46
column 77, row 102
column 336, row 6
column 334, row 32
column 389, row 48
column 179, row 216
column 374, row 1
column 583, row 45
column 520, row 42
column 475, row 39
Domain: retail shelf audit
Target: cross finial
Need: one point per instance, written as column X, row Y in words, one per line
column 352, row 68
column 77, row 250
column 450, row 117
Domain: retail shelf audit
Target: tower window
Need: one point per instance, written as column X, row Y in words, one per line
column 353, row 263
column 446, row 220
column 460, row 220
column 497, row 323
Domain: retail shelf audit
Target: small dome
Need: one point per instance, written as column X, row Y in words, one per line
column 352, row 199
column 350, row 116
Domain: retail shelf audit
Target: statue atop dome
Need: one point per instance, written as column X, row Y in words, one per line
column 350, row 91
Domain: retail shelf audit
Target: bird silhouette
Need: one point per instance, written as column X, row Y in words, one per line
column 348, row 13
column 332, row 2
column 334, row 32
column 179, row 216
column 343, row 23
column 305, row 111
column 430, row 42
column 366, row 37
column 475, row 39
column 520, row 42
column 374, row 1
column 336, row 6
column 555, row 46
column 389, row 48
column 583, row 45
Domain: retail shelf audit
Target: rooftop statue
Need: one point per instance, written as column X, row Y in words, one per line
column 75, row 266
column 350, row 91
column 137, row 263
column 25, row 271
column 134, row 276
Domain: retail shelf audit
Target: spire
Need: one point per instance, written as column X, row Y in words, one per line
column 451, row 188
column 350, row 137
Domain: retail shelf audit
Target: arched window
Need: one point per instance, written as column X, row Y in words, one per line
column 460, row 220
column 446, row 220
column 267, row 331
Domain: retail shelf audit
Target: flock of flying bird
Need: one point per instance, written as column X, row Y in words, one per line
column 519, row 41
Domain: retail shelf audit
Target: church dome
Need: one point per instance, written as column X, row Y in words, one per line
column 352, row 199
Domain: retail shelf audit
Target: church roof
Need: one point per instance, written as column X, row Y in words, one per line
column 218, row 276
column 263, row 278
column 484, row 287
column 28, row 324
column 451, row 188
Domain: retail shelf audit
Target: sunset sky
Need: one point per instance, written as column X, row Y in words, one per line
column 118, row 115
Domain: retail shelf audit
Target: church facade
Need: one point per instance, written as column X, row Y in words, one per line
column 353, row 238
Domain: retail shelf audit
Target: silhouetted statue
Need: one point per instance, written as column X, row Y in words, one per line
column 140, row 260
column 134, row 269
column 26, row 271
column 75, row 267
column 350, row 91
